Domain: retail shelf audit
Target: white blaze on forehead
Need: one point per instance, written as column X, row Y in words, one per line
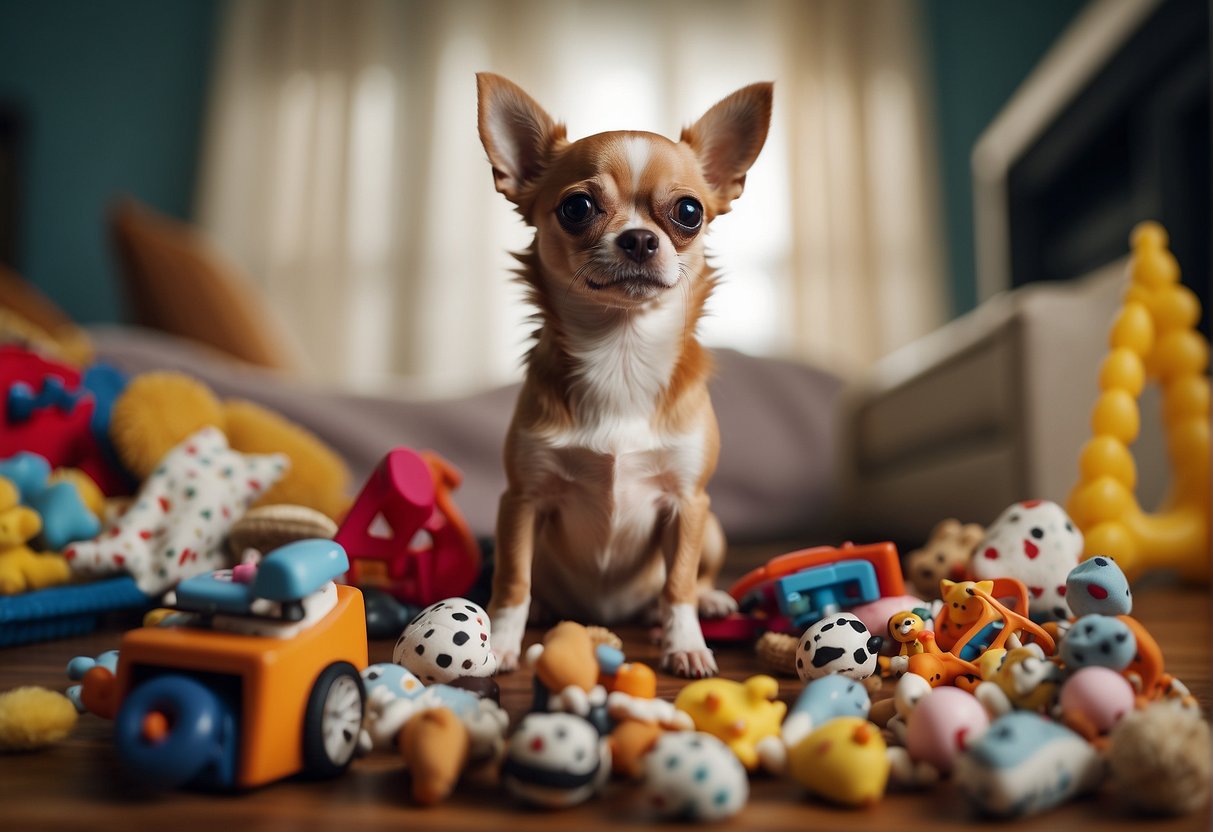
column 636, row 150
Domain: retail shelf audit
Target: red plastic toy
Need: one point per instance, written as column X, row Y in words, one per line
column 404, row 534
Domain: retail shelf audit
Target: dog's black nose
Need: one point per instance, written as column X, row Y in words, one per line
column 637, row 243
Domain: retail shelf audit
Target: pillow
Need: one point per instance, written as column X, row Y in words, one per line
column 29, row 318
column 177, row 283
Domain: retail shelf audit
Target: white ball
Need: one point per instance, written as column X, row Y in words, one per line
column 838, row 643
column 445, row 641
column 690, row 774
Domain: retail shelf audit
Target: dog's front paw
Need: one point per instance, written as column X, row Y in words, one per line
column 716, row 603
column 698, row 663
column 509, row 625
column 685, row 652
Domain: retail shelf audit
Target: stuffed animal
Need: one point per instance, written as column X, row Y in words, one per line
column 567, row 674
column 1036, row 543
column 177, row 526
column 694, row 776
column 158, row 410
column 556, row 760
column 434, row 746
column 21, row 568
column 1160, row 760
column 1023, row 680
column 1025, row 764
column 946, row 554
column 32, row 717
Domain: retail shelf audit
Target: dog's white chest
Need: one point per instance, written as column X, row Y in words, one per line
column 615, row 479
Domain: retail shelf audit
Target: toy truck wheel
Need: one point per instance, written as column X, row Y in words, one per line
column 168, row 730
column 332, row 721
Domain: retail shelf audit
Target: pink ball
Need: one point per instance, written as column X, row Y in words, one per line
column 942, row 725
column 1100, row 694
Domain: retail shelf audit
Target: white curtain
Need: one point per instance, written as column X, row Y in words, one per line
column 343, row 170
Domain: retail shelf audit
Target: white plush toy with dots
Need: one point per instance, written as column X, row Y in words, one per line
column 445, row 641
column 693, row 775
column 1034, row 542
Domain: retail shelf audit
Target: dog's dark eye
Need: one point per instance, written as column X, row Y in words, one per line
column 688, row 213
column 576, row 210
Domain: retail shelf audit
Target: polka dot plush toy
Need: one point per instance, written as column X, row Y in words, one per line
column 447, row 640
column 177, row 526
column 693, row 775
column 1035, row 542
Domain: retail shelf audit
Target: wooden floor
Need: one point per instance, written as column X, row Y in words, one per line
column 78, row 782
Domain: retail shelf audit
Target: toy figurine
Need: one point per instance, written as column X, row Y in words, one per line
column 938, row 727
column 434, row 747
column 567, row 674
column 448, row 639
column 838, row 644
column 824, row 699
column 972, row 606
column 844, row 761
column 1026, row 764
column 394, row 696
column 556, row 760
column 693, row 775
column 1098, row 586
column 939, row 667
column 1094, row 700
column 1098, row 641
column 1023, row 680
column 743, row 715
column 946, row 554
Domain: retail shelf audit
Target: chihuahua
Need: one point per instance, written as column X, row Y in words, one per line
column 613, row 438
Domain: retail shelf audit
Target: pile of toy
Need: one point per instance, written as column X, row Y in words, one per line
column 1024, row 705
column 1013, row 659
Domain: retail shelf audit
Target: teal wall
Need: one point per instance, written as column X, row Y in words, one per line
column 979, row 52
column 114, row 93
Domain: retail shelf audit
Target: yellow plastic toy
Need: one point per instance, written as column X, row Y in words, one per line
column 844, row 761
column 1153, row 338
column 740, row 714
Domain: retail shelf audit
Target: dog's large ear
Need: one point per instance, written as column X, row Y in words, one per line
column 728, row 138
column 516, row 132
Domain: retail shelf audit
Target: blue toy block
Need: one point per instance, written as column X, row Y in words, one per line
column 296, row 570
column 810, row 595
column 63, row 611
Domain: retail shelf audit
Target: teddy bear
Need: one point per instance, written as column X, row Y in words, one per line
column 946, row 554
column 21, row 568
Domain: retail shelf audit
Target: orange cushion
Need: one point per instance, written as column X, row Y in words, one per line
column 28, row 316
column 177, row 283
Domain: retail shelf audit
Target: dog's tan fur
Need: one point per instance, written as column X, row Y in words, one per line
column 614, row 438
